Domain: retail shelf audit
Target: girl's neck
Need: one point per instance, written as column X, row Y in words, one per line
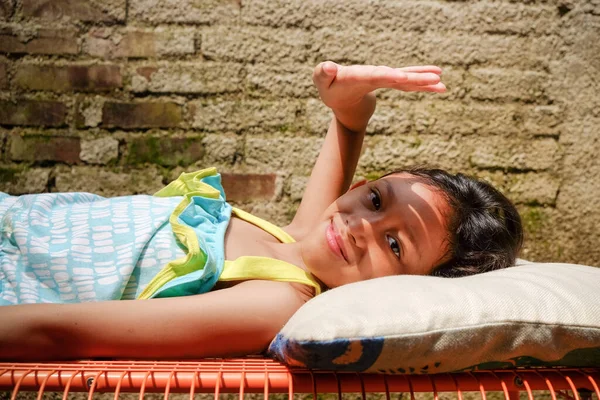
column 288, row 252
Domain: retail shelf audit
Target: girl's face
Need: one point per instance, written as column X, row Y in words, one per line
column 394, row 225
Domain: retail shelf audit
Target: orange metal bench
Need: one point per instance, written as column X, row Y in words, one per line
column 258, row 375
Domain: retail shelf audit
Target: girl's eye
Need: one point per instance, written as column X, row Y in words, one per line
column 394, row 246
column 375, row 199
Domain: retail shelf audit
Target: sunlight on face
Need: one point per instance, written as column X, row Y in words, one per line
column 394, row 225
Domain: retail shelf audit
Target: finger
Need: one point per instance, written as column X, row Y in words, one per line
column 423, row 68
column 325, row 73
column 421, row 78
column 371, row 76
column 437, row 88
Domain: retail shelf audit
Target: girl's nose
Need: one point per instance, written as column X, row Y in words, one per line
column 362, row 227
column 357, row 227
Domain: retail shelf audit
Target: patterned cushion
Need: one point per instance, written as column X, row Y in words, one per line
column 533, row 314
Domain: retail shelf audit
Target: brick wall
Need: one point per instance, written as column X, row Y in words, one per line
column 120, row 96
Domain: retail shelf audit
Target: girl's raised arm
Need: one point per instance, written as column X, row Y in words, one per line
column 236, row 321
column 348, row 91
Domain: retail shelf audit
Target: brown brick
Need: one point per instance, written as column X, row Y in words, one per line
column 6, row 9
column 141, row 115
column 93, row 11
column 87, row 78
column 166, row 151
column 45, row 41
column 30, row 112
column 246, row 187
column 44, row 148
column 146, row 72
column 103, row 42
column 3, row 76
column 120, row 43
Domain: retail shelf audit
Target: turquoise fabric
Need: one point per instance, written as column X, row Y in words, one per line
column 77, row 247
column 208, row 217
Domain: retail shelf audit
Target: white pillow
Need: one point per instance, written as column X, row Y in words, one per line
column 533, row 314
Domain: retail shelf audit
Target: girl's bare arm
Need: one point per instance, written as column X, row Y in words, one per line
column 348, row 91
column 236, row 321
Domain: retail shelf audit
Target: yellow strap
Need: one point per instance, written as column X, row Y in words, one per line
column 266, row 226
column 251, row 267
column 187, row 185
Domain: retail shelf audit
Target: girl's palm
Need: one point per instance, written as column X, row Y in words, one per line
column 345, row 86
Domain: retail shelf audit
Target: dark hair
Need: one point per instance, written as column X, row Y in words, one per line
column 485, row 230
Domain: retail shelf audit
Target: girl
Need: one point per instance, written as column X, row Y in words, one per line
column 81, row 248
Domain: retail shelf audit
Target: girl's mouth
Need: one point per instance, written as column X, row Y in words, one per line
column 334, row 241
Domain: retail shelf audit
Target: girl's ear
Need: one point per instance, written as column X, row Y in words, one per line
column 357, row 184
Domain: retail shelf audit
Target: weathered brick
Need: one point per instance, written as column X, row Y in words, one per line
column 40, row 41
column 297, row 187
column 7, row 8
column 31, row 112
column 385, row 153
column 88, row 111
column 275, row 153
column 247, row 187
column 421, row 16
column 226, row 115
column 168, row 151
column 180, row 77
column 45, row 148
column 318, row 115
column 508, row 85
column 4, row 134
column 514, row 154
column 221, row 149
column 19, row 180
column 255, row 44
column 574, row 82
column 141, row 115
column 533, row 188
column 3, row 75
column 86, row 78
column 108, row 42
column 281, row 80
column 186, row 11
column 399, row 48
column 99, row 151
column 108, row 183
column 450, row 118
column 388, row 119
column 93, row 10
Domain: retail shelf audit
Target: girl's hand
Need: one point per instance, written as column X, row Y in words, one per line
column 343, row 87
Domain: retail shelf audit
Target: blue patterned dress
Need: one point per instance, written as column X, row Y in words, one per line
column 77, row 247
